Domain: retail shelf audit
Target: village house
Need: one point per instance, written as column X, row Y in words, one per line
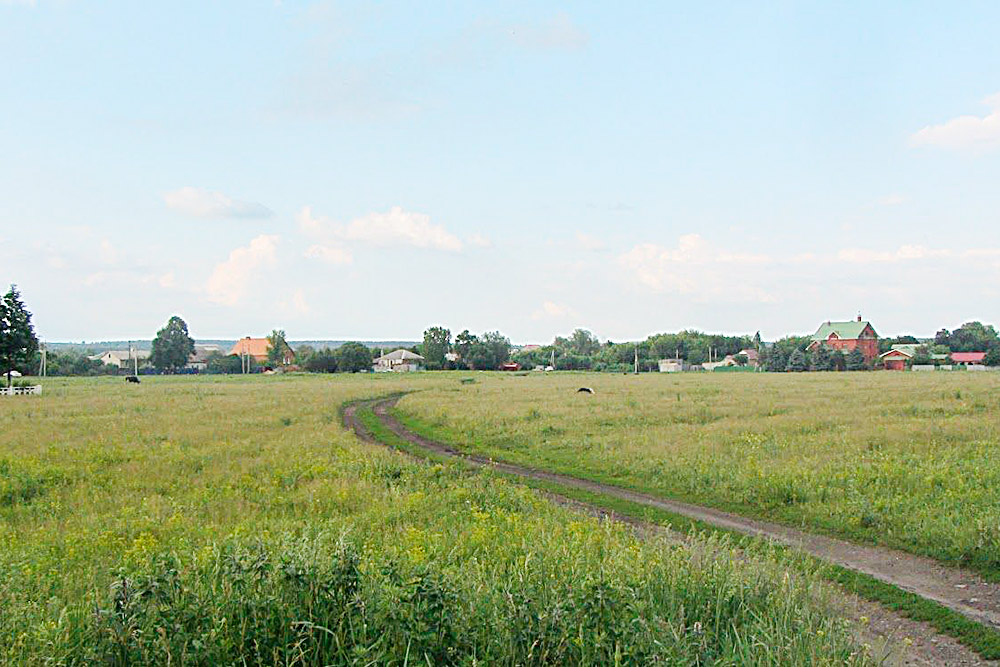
column 198, row 361
column 846, row 337
column 901, row 355
column 968, row 358
column 121, row 358
column 398, row 361
column 674, row 365
column 257, row 348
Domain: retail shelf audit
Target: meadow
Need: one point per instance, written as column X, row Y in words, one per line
column 232, row 520
column 907, row 460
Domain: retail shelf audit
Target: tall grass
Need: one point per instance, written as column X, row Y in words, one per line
column 905, row 460
column 233, row 521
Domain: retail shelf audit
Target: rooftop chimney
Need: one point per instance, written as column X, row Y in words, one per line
column 859, row 317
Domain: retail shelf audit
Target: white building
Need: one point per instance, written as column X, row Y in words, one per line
column 121, row 358
column 400, row 361
column 673, row 365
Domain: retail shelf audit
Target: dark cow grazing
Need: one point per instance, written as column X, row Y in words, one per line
column 132, row 378
column 585, row 390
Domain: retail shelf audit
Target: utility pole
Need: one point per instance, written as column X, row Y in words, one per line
column 42, row 366
column 553, row 361
column 637, row 359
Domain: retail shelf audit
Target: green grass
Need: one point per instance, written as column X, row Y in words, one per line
column 983, row 640
column 210, row 521
column 902, row 460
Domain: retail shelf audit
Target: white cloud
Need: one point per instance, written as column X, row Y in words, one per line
column 229, row 279
column 964, row 132
column 588, row 242
column 480, row 241
column 298, row 304
column 550, row 310
column 202, row 203
column 903, row 253
column 395, row 227
column 332, row 254
column 892, row 200
column 168, row 280
column 108, row 253
column 557, row 33
column 696, row 268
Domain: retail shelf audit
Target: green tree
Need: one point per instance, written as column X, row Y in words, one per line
column 855, row 360
column 464, row 342
column 993, row 357
column 172, row 346
column 353, row 357
column 17, row 335
column 797, row 361
column 219, row 363
column 278, row 351
column 437, row 343
column 322, row 361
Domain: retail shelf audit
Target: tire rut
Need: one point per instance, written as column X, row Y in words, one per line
column 960, row 590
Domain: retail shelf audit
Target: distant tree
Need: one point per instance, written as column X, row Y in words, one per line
column 219, row 363
column 855, row 360
column 353, row 357
column 464, row 343
column 837, row 361
column 819, row 358
column 437, row 343
column 278, row 348
column 922, row 356
column 797, row 361
column 993, row 357
column 741, row 359
column 172, row 346
column 17, row 335
column 973, row 337
column 322, row 361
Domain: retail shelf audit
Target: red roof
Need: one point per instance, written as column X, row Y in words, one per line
column 967, row 357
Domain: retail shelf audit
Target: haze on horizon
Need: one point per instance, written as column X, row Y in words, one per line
column 347, row 171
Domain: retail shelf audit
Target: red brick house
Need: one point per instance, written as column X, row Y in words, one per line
column 847, row 336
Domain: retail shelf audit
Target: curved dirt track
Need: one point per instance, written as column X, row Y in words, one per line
column 960, row 590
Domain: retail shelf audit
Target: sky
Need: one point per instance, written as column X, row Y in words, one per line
column 366, row 170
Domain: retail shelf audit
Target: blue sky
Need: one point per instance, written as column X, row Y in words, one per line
column 366, row 170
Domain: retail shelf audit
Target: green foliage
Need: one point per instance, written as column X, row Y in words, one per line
column 855, row 360
column 321, row 361
column 437, row 343
column 970, row 337
column 353, row 358
column 17, row 335
column 278, row 351
column 226, row 364
column 172, row 346
column 797, row 361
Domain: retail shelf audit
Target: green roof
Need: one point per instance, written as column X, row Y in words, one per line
column 849, row 329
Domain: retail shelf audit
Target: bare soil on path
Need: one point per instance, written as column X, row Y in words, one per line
column 899, row 640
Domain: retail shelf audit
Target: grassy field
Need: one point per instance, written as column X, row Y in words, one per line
column 233, row 521
column 906, row 460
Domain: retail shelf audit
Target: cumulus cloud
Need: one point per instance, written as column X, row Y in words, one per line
column 332, row 254
column 229, row 280
column 108, row 252
column 892, row 200
column 551, row 310
column 395, row 227
column 964, row 132
column 694, row 267
column 901, row 254
column 297, row 304
column 558, row 33
column 201, row 203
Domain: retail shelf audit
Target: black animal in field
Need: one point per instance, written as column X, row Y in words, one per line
column 134, row 379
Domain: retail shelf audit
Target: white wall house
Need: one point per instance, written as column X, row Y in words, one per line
column 400, row 361
column 120, row 358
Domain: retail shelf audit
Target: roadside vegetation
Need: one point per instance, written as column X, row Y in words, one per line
column 902, row 460
column 233, row 521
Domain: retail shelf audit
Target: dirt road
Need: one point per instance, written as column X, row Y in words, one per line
column 960, row 590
